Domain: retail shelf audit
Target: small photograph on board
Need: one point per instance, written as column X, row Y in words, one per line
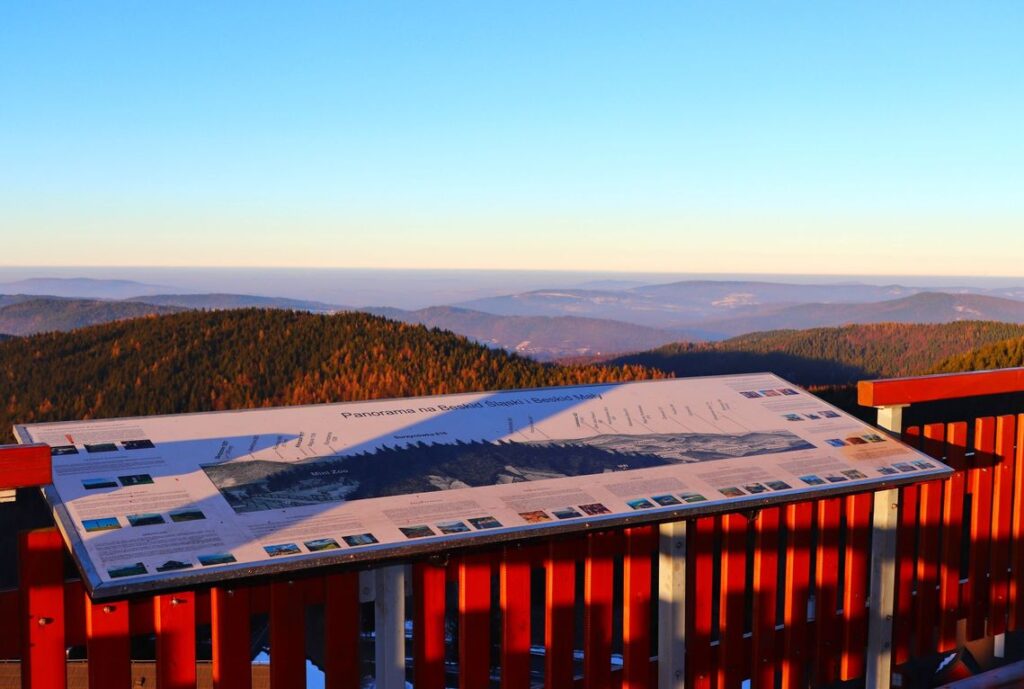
column 566, row 513
column 595, row 508
column 132, row 570
column 360, row 539
column 187, row 515
column 453, row 527
column 101, row 524
column 136, row 480
column 138, row 444
column 318, row 544
column 535, row 517
column 282, row 549
column 216, row 559
column 97, row 483
column 145, row 519
column 485, row 523
column 419, row 531
column 173, row 566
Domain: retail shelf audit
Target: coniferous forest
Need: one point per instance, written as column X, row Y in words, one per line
column 202, row 361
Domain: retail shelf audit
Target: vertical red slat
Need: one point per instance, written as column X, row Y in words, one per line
column 699, row 584
column 1017, row 580
column 341, row 631
column 929, row 521
column 231, row 638
column 641, row 543
column 798, row 578
column 41, row 577
column 855, row 630
column 906, row 564
column 731, row 600
column 428, row 625
column 980, row 485
column 952, row 527
column 1002, row 506
column 559, row 623
column 826, row 606
column 766, row 590
column 108, row 644
column 287, row 635
column 474, row 621
column 597, row 614
column 514, row 583
column 174, row 621
column 75, row 599
column 10, row 624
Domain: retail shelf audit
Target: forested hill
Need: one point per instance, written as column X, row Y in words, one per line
column 1006, row 354
column 830, row 356
column 199, row 361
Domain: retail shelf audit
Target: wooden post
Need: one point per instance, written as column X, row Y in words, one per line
column 389, row 625
column 891, row 418
column 883, row 589
column 672, row 605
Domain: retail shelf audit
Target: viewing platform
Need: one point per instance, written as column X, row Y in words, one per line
column 913, row 586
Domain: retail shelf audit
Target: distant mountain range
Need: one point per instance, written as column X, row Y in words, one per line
column 81, row 288
column 541, row 337
column 718, row 309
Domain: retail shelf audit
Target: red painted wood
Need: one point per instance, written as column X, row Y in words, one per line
column 474, row 621
column 429, row 583
column 858, row 554
column 341, row 631
column 109, row 644
column 980, row 486
column 766, row 591
column 559, row 622
column 952, row 527
column 798, row 518
column 514, row 583
column 906, row 563
column 10, row 625
column 732, row 593
column 24, row 466
column 41, row 571
column 878, row 393
column 230, row 634
column 287, row 636
column 700, row 567
column 827, row 625
column 641, row 544
column 174, row 621
column 1016, row 593
column 75, row 599
column 1002, row 507
column 929, row 523
column 598, row 597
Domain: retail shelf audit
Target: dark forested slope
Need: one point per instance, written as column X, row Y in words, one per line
column 830, row 356
column 1006, row 354
column 22, row 315
column 199, row 361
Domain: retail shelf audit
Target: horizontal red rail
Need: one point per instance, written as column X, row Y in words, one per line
column 24, row 466
column 897, row 391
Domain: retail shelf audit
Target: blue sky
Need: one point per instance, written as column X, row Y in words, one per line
column 686, row 136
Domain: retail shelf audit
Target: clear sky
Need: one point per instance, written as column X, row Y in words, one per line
column 810, row 137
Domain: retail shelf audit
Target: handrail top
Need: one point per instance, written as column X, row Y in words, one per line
column 25, row 466
column 887, row 392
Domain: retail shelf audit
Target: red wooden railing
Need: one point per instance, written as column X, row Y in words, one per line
column 778, row 597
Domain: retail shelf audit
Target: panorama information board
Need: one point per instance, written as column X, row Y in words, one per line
column 163, row 501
